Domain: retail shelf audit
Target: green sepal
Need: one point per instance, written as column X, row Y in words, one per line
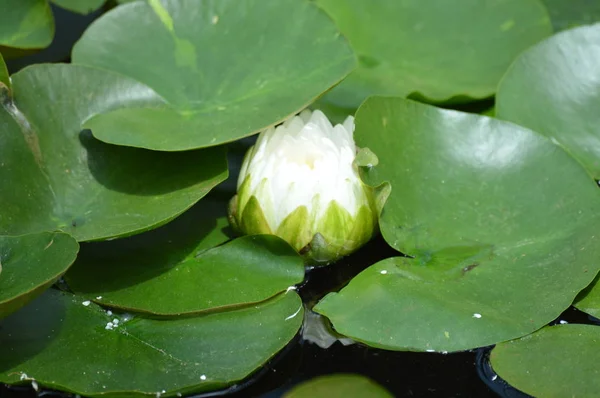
column 233, row 214
column 253, row 220
column 363, row 229
column 295, row 228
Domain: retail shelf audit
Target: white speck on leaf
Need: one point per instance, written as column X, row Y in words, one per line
column 563, row 322
column 203, row 377
column 476, row 315
column 86, row 303
column 99, row 298
column 215, row 19
column 383, row 272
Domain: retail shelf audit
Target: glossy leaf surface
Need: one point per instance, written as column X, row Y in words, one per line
column 557, row 361
column 31, row 263
column 440, row 50
column 64, row 343
column 54, row 175
column 178, row 270
column 26, row 24
column 225, row 68
column 501, row 223
column 554, row 89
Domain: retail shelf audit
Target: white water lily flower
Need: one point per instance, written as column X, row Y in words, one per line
column 299, row 182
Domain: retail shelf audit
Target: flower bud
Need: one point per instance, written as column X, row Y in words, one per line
column 299, row 182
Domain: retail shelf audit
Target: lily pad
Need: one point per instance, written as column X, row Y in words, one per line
column 339, row 386
column 226, row 68
column 4, row 78
column 26, row 24
column 557, row 361
column 54, row 176
column 437, row 50
column 500, row 222
column 65, row 343
column 80, row 6
column 554, row 89
column 572, row 13
column 588, row 300
column 31, row 263
column 178, row 270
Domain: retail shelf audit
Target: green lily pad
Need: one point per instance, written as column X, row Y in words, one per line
column 339, row 386
column 65, row 343
column 491, row 212
column 554, row 89
column 572, row 13
column 31, row 263
column 177, row 270
column 557, row 361
column 80, row 6
column 4, row 78
column 589, row 299
column 437, row 50
column 54, row 176
column 26, row 24
column 226, row 68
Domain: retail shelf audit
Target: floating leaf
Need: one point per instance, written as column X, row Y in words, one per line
column 226, row 68
column 54, row 176
column 31, row 263
column 4, row 78
column 65, row 343
column 177, row 270
column 338, row 386
column 80, row 6
column 440, row 50
column 502, row 225
column 554, row 89
column 572, row 13
column 26, row 24
column 557, row 361
column 589, row 299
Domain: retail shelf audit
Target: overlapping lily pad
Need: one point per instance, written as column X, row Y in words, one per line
column 554, row 89
column 31, row 263
column 438, row 50
column 177, row 270
column 557, row 361
column 338, row 386
column 63, row 342
column 226, row 68
column 26, row 24
column 80, row 6
column 572, row 13
column 56, row 176
column 502, row 225
column 4, row 78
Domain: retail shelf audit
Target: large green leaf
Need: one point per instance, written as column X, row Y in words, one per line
column 4, row 78
column 441, row 50
column 177, row 270
column 26, row 23
column 338, row 386
column 226, row 68
column 65, row 343
column 589, row 299
column 31, row 263
column 54, row 176
column 572, row 13
column 502, row 225
column 557, row 361
column 80, row 6
column 554, row 89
